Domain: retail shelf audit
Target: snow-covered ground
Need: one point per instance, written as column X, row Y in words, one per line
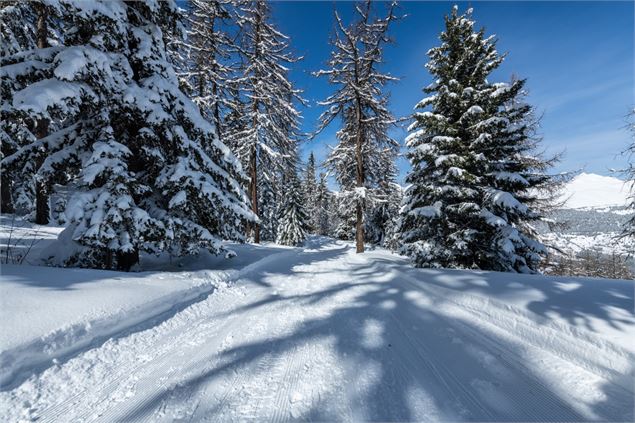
column 589, row 190
column 322, row 333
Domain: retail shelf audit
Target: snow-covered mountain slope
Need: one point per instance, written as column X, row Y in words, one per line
column 322, row 333
column 589, row 190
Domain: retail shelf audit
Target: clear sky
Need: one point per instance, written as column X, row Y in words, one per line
column 577, row 57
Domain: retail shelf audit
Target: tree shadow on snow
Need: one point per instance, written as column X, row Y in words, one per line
column 404, row 360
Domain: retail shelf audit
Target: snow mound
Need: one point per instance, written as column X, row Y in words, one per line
column 589, row 190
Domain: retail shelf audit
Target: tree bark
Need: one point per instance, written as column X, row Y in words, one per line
column 253, row 190
column 359, row 224
column 253, row 159
column 127, row 259
column 359, row 173
column 6, row 202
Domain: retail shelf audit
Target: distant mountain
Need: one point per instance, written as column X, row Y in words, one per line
column 589, row 190
column 592, row 217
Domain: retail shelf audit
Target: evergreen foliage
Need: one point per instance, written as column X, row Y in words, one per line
column 24, row 27
column 265, row 134
column 323, row 203
column 310, row 194
column 476, row 182
column 293, row 221
column 150, row 172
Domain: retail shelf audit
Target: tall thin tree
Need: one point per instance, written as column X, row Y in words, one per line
column 361, row 103
column 271, row 119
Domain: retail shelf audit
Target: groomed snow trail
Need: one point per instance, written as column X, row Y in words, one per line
column 321, row 333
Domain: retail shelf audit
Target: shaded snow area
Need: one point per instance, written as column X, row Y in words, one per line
column 315, row 333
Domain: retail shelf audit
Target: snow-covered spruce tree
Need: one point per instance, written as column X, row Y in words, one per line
column 476, row 182
column 293, row 221
column 382, row 219
column 205, row 59
column 361, row 104
column 25, row 27
column 310, row 193
column 265, row 139
column 270, row 190
column 17, row 27
column 323, row 201
column 343, row 226
column 154, row 176
column 382, row 216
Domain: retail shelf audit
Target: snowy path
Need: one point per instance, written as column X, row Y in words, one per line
column 325, row 334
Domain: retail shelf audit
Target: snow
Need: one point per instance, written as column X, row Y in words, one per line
column 42, row 95
column 322, row 333
column 592, row 190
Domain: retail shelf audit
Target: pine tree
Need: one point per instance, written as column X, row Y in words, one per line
column 361, row 104
column 293, row 222
column 151, row 174
column 265, row 139
column 477, row 182
column 310, row 200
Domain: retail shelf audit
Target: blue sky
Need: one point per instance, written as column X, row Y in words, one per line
column 577, row 57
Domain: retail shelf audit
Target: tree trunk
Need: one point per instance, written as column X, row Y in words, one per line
column 359, row 224
column 253, row 191
column 216, row 111
column 42, row 209
column 217, row 120
column 41, row 127
column 253, row 159
column 359, row 229
column 127, row 259
column 6, row 202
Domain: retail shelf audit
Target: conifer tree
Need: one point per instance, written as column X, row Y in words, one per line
column 476, row 183
column 323, row 200
column 293, row 221
column 310, row 186
column 266, row 136
column 205, row 60
column 270, row 192
column 25, row 27
column 344, row 221
column 360, row 102
column 151, row 173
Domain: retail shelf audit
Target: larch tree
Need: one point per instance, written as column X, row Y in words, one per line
column 477, row 181
column 205, row 60
column 149, row 171
column 266, row 137
column 361, row 104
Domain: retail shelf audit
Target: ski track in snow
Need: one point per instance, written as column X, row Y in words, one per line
column 324, row 334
